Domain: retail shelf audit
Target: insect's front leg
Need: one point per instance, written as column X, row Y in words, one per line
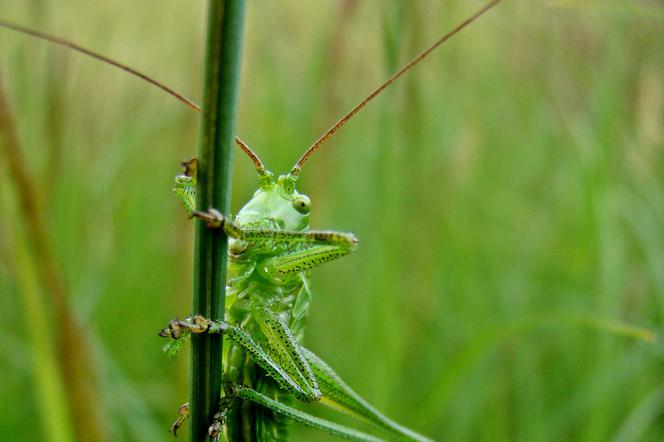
column 186, row 192
column 313, row 248
column 185, row 186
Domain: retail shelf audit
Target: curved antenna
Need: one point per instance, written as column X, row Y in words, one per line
column 59, row 41
column 314, row 147
column 260, row 168
column 62, row 42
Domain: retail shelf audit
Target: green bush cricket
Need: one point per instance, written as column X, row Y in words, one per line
column 271, row 251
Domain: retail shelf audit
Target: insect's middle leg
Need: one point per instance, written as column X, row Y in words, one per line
column 282, row 358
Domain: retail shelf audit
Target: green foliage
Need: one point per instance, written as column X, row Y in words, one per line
column 524, row 159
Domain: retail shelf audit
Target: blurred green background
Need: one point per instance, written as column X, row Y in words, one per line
column 508, row 196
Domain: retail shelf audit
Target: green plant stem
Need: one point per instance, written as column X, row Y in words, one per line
column 217, row 130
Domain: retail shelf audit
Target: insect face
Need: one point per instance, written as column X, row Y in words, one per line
column 276, row 205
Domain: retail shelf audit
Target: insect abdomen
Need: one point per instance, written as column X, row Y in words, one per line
column 247, row 421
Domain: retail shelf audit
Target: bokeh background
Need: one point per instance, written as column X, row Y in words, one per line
column 508, row 196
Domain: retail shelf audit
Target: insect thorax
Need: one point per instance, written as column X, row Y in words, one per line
column 273, row 207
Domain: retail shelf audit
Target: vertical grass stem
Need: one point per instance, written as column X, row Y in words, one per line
column 217, row 129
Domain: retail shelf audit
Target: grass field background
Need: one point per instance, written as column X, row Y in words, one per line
column 508, row 195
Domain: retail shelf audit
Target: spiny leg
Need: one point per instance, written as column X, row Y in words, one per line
column 249, row 394
column 339, row 396
column 316, row 247
column 292, row 381
column 303, row 260
column 184, row 190
column 336, row 394
column 286, row 350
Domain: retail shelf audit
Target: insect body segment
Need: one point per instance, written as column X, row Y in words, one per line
column 274, row 224
column 271, row 250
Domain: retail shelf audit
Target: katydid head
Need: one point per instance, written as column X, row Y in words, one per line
column 276, row 204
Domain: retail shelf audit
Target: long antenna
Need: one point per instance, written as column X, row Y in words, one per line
column 314, row 147
column 260, row 168
column 62, row 42
column 90, row 53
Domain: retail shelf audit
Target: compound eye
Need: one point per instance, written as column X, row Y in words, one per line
column 302, row 204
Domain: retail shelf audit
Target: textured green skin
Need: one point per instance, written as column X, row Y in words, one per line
column 271, row 250
column 250, row 289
